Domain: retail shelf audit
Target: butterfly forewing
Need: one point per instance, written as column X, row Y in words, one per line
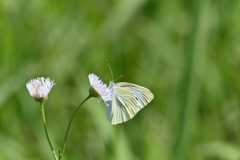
column 127, row 100
column 141, row 94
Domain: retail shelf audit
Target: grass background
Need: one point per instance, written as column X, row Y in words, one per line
column 186, row 52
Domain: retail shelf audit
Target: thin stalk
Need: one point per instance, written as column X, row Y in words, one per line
column 65, row 139
column 46, row 132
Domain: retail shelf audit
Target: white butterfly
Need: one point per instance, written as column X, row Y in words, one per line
column 127, row 100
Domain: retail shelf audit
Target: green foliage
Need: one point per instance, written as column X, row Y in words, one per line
column 186, row 52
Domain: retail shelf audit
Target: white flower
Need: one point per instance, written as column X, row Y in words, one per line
column 40, row 87
column 99, row 89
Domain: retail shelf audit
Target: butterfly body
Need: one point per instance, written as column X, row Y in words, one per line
column 127, row 100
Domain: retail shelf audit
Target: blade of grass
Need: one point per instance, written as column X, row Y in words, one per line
column 190, row 87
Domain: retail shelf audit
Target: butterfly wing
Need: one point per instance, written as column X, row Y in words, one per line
column 127, row 100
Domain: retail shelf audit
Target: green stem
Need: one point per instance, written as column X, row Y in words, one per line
column 65, row 139
column 46, row 132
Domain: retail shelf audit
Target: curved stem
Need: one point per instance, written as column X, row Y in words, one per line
column 65, row 139
column 46, row 132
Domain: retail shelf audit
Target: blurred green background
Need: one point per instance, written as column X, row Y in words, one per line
column 186, row 52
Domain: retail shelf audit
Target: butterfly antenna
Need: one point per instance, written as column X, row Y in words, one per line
column 118, row 77
column 110, row 70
